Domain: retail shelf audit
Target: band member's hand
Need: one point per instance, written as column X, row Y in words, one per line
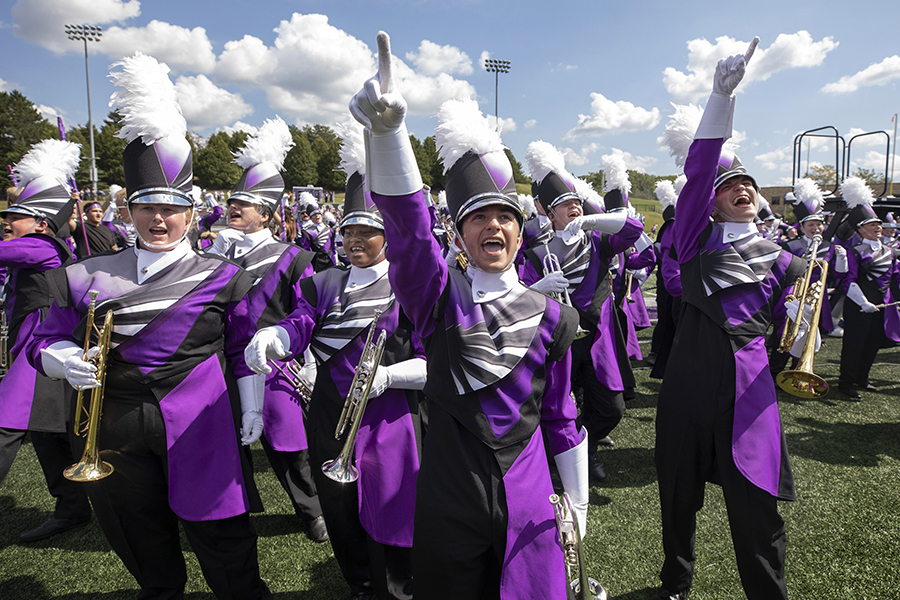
column 573, row 227
column 269, row 343
column 81, row 374
column 552, row 283
column 378, row 105
column 730, row 71
column 868, row 307
column 252, row 390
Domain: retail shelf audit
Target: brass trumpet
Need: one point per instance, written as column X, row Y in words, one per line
column 4, row 342
column 802, row 382
column 629, row 277
column 584, row 587
column 551, row 265
column 292, row 374
column 342, row 469
column 87, row 421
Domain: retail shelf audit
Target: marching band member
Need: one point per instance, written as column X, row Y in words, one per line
column 498, row 361
column 316, row 235
column 30, row 402
column 585, row 244
column 277, row 268
column 630, row 274
column 90, row 235
column 668, row 278
column 172, row 425
column 718, row 417
column 370, row 522
column 872, row 279
column 808, row 202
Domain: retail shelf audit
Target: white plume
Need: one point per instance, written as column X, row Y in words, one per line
column 679, row 183
column 856, row 192
column 543, row 158
column 762, row 204
column 270, row 144
column 665, row 193
column 680, row 130
column 442, row 199
column 461, row 128
column 50, row 158
column 615, row 174
column 353, row 149
column 588, row 194
column 527, row 204
column 148, row 101
column 807, row 190
column 306, row 199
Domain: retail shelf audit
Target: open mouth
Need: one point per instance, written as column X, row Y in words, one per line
column 493, row 246
column 158, row 231
column 357, row 250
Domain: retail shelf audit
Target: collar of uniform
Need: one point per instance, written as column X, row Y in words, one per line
column 150, row 263
column 875, row 245
column 733, row 232
column 361, row 277
column 490, row 286
column 250, row 241
column 542, row 220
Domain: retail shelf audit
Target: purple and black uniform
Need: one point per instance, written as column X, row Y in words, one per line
column 668, row 298
column 632, row 315
column 171, row 415
column 876, row 270
column 319, row 239
column 718, row 416
column 28, row 400
column 370, row 523
column 498, row 377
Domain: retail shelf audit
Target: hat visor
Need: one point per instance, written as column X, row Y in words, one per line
column 169, row 196
column 732, row 174
column 22, row 210
column 489, row 199
column 361, row 218
column 251, row 198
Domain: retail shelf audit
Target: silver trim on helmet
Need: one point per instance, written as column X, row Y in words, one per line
column 361, row 217
column 565, row 196
column 486, row 199
column 161, row 195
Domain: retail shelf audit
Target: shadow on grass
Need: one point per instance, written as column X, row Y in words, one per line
column 29, row 588
column 628, row 467
column 642, row 594
column 851, row 444
column 18, row 519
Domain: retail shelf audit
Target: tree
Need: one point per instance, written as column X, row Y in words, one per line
column 436, row 167
column 518, row 175
column 21, row 126
column 108, row 151
column 214, row 166
column 824, row 175
column 870, row 176
column 595, row 178
column 328, row 160
column 300, row 162
column 424, row 160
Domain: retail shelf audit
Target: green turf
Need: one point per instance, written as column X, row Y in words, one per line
column 843, row 532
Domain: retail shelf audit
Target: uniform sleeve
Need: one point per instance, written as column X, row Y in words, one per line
column 558, row 409
column 59, row 325
column 418, row 272
column 697, row 198
column 300, row 325
column 641, row 260
column 853, row 264
column 30, row 253
column 627, row 236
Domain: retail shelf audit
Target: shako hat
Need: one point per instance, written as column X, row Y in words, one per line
column 616, row 184
column 859, row 199
column 157, row 160
column 478, row 172
column 262, row 158
column 665, row 193
column 808, row 201
column 358, row 206
column 43, row 190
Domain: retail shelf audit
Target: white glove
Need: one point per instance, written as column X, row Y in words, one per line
column 62, row 360
column 792, row 307
column 391, row 167
column 553, row 283
column 406, row 375
column 611, row 222
column 251, row 390
column 840, row 259
column 309, row 370
column 573, row 472
column 639, row 275
column 855, row 293
column 452, row 252
column 269, row 343
column 224, row 240
column 110, row 213
column 730, row 71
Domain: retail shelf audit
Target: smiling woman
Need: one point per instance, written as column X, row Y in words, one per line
column 160, row 227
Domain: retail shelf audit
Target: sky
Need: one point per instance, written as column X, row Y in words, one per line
column 591, row 77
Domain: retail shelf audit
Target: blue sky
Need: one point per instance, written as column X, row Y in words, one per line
column 591, row 78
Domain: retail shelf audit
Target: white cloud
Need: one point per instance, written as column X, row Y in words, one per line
column 506, row 125
column 790, row 50
column 484, row 56
column 313, row 69
column 204, row 105
column 877, row 74
column 529, row 123
column 180, row 48
column 238, row 126
column 48, row 112
column 872, row 160
column 577, row 158
column 6, row 86
column 635, row 163
column 432, row 59
column 563, row 67
column 42, row 22
column 780, row 159
column 610, row 118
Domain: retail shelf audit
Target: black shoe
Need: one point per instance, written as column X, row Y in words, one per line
column 596, row 470
column 607, row 441
column 317, row 530
column 650, row 361
column 664, row 594
column 849, row 390
column 51, row 527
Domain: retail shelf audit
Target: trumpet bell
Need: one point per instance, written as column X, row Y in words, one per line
column 802, row 384
column 88, row 471
column 596, row 592
column 336, row 470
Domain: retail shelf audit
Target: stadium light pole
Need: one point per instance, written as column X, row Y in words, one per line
column 87, row 33
column 496, row 67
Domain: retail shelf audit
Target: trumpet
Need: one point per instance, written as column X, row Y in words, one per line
column 551, row 265
column 629, row 277
column 292, row 374
column 4, row 342
column 342, row 469
column 584, row 587
column 87, row 420
column 802, row 382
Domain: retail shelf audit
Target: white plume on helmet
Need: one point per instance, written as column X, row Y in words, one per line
column 353, row 150
column 680, row 130
column 148, row 101
column 49, row 158
column 856, row 192
column 270, row 144
column 543, row 158
column 462, row 128
column 616, row 173
column 665, row 193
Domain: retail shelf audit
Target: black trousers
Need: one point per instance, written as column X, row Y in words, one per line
column 294, row 474
column 133, row 510
column 863, row 338
column 54, row 452
column 601, row 408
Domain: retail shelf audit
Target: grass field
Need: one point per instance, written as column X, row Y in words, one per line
column 843, row 532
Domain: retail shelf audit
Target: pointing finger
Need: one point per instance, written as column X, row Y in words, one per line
column 384, row 62
column 751, row 49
